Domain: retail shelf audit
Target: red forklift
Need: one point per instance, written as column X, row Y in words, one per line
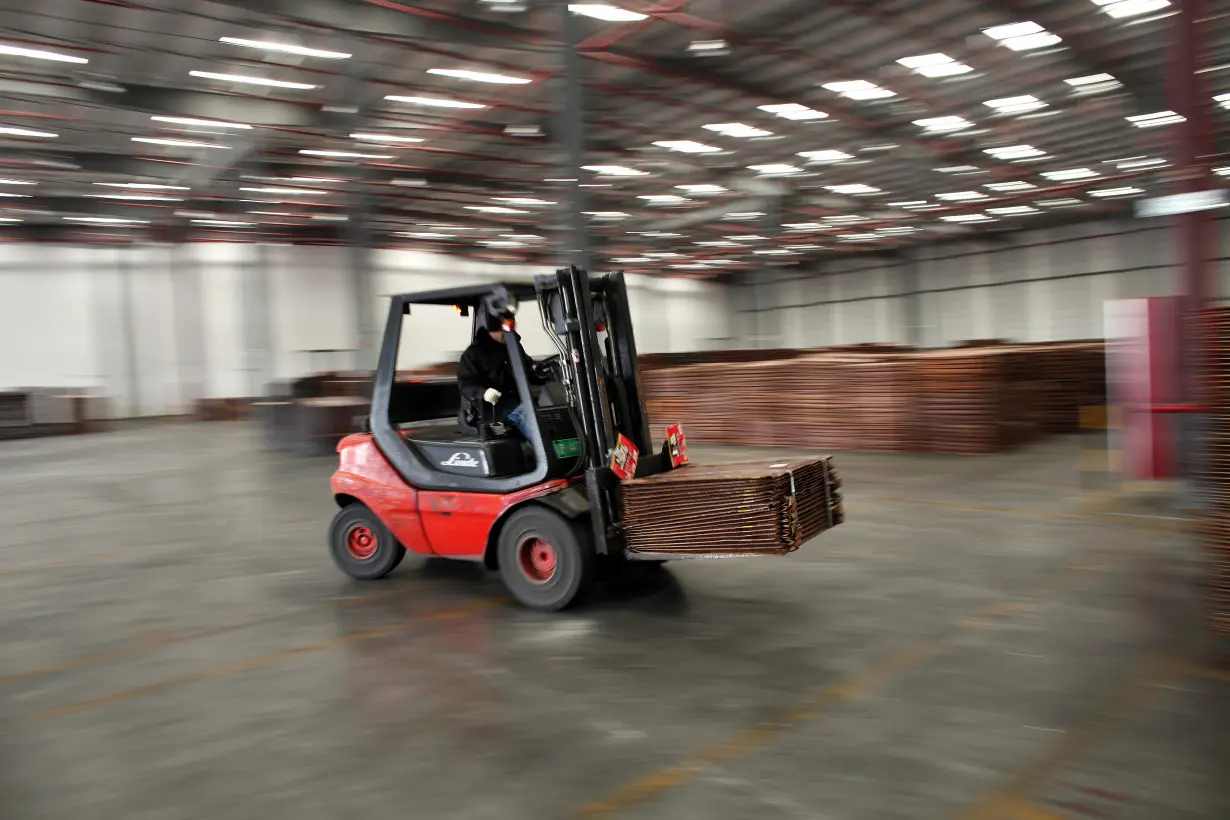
column 432, row 474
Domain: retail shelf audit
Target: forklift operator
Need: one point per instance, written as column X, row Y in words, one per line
column 484, row 374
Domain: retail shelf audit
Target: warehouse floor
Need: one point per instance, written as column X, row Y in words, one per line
column 973, row 643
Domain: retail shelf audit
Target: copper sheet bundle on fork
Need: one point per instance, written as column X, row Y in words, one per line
column 759, row 508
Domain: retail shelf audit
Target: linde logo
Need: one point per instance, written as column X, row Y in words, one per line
column 461, row 460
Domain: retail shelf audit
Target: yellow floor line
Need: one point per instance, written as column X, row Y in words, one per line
column 262, row 661
column 1123, row 701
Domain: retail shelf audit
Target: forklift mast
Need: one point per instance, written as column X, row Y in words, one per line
column 592, row 319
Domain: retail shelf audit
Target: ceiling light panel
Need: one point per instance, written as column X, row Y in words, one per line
column 286, row 48
column 944, row 124
column 934, row 65
column 244, row 79
column 610, row 171
column 775, row 169
column 1024, row 36
column 194, row 122
column 853, row 189
column 13, row 131
column 1130, row 8
column 1069, row 174
column 687, row 146
column 312, row 152
column 793, row 111
column 479, row 76
column 494, row 209
column 40, row 54
column 606, row 12
column 961, row 196
column 1115, row 192
column 738, row 129
column 1156, row 119
column 1015, row 152
column 287, row 191
column 179, row 143
column 1018, row 185
column 859, row 90
column 389, row 138
column 435, row 102
column 1016, row 105
column 828, row 155
column 702, row 189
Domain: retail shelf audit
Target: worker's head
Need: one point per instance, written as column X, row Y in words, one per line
column 497, row 324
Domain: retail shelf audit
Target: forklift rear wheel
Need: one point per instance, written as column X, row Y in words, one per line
column 362, row 545
column 546, row 562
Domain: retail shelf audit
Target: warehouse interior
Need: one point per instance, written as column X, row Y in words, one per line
column 963, row 257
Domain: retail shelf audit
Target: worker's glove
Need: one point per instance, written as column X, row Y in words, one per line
column 492, row 395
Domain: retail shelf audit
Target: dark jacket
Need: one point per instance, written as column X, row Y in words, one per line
column 485, row 364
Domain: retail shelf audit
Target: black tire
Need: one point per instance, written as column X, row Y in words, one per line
column 527, row 540
column 361, row 545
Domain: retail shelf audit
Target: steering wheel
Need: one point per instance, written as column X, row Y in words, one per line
column 547, row 368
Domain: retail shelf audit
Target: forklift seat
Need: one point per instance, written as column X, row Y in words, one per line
column 449, row 448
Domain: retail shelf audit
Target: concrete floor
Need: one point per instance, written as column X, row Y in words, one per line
column 973, row 643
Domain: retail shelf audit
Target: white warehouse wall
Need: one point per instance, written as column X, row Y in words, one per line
column 1033, row 286
column 157, row 327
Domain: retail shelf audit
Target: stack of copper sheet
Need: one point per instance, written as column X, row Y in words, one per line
column 702, row 396
column 1217, row 470
column 761, row 508
column 960, row 403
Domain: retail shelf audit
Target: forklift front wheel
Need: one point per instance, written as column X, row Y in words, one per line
column 362, row 545
column 546, row 561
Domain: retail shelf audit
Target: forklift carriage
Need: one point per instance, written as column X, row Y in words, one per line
column 435, row 475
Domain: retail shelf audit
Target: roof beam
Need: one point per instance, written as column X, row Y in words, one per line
column 388, row 18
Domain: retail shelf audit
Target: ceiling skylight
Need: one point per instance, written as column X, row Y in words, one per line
column 606, row 12
column 198, row 123
column 1017, row 185
column 687, row 146
column 793, row 111
column 942, row 124
column 244, row 79
column 1130, row 8
column 1016, row 105
column 13, row 131
column 859, row 90
column 312, row 152
column 1156, row 119
column 738, row 129
column 775, row 169
column 40, row 54
column 479, row 76
column 1022, row 36
column 389, row 138
column 934, row 65
column 179, row 143
column 853, row 189
column 828, row 155
column 1070, row 174
column 434, row 102
column 1115, row 192
column 613, row 171
column 287, row 48
column 1015, row 152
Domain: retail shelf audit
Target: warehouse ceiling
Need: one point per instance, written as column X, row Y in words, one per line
column 721, row 134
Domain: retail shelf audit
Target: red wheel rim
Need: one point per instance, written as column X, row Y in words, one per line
column 361, row 542
column 537, row 560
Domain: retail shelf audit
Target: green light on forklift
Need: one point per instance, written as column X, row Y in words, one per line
column 567, row 448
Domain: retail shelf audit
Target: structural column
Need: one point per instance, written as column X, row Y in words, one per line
column 1195, row 232
column 359, row 244
column 911, row 309
column 571, row 129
